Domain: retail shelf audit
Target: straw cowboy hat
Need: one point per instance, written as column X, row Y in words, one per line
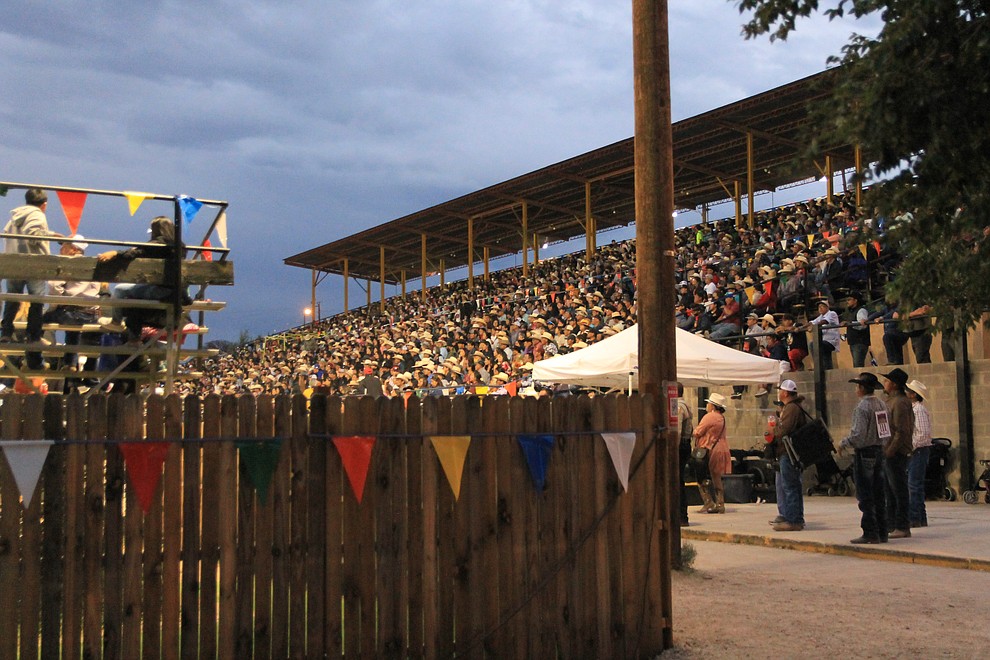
column 918, row 388
column 718, row 400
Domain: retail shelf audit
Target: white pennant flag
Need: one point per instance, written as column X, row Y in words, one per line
column 620, row 448
column 26, row 459
column 221, row 228
column 783, row 244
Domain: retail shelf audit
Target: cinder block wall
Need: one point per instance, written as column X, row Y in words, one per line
column 747, row 417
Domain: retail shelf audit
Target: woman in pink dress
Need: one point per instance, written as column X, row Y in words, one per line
column 710, row 434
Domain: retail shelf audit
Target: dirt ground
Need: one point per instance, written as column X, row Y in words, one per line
column 743, row 601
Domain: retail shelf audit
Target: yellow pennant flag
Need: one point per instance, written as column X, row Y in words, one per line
column 134, row 199
column 750, row 293
column 862, row 250
column 481, row 390
column 452, row 451
column 811, row 239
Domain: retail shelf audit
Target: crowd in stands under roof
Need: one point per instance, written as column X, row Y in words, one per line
column 796, row 262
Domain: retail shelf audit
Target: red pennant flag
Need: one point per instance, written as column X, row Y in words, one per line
column 144, row 461
column 512, row 388
column 208, row 254
column 355, row 453
column 72, row 206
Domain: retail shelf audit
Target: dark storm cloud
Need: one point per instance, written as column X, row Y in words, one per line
column 318, row 118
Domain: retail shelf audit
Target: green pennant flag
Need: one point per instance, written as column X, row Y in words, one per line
column 3, row 191
column 260, row 459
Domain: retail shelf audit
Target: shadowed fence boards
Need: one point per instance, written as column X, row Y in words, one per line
column 211, row 570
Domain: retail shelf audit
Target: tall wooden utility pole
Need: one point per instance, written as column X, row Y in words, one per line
column 654, row 190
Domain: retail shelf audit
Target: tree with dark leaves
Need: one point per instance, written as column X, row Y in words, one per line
column 917, row 98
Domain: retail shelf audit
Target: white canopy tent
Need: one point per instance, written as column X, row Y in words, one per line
column 700, row 363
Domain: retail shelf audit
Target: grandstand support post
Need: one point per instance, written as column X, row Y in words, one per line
column 525, row 238
column 367, row 288
column 737, row 197
column 858, row 160
column 487, row 254
column 964, row 408
column 829, row 185
column 347, row 280
column 470, row 255
column 536, row 250
column 749, row 181
column 443, row 274
column 589, row 224
column 381, row 277
column 422, row 293
column 654, row 207
column 403, row 285
column 312, row 295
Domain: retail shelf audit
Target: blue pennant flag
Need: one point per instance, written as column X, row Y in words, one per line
column 459, row 390
column 537, row 451
column 189, row 207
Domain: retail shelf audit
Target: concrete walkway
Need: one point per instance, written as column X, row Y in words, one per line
column 957, row 536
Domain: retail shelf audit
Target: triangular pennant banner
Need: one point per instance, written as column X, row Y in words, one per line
column 72, row 206
column 260, row 460
column 750, row 293
column 620, row 448
column 811, row 240
column 783, row 244
column 207, row 254
column 537, row 448
column 355, row 453
column 512, row 388
column 144, row 461
column 862, row 250
column 3, row 191
column 221, row 228
column 481, row 390
column 26, row 459
column 189, row 207
column 134, row 199
column 452, row 450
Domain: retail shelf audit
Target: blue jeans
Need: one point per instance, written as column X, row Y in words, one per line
column 896, row 489
column 723, row 330
column 868, row 475
column 129, row 291
column 858, row 352
column 10, row 309
column 917, row 468
column 789, row 477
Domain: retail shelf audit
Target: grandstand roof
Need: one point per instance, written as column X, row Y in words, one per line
column 710, row 153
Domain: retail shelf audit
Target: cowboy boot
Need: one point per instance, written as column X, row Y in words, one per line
column 719, row 501
column 705, row 497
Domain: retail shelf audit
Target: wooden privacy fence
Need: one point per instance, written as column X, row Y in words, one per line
column 580, row 569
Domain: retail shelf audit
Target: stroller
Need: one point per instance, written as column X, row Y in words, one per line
column 936, row 483
column 830, row 479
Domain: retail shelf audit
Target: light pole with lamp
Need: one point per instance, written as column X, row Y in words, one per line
column 307, row 312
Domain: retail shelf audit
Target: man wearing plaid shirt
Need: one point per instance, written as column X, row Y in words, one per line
column 918, row 464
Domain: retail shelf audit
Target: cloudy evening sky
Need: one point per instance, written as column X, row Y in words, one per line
column 318, row 118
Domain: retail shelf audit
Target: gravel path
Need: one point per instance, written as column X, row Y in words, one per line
column 743, row 601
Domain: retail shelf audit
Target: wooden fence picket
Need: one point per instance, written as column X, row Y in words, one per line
column 575, row 569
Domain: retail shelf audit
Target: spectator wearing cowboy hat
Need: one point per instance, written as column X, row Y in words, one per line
column 921, row 441
column 710, row 434
column 897, row 452
column 869, row 430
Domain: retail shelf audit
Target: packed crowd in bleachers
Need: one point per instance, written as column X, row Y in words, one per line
column 757, row 289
